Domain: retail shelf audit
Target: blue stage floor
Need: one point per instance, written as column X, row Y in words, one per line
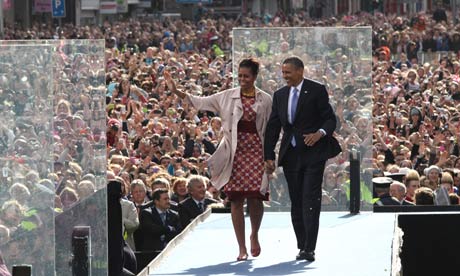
column 347, row 246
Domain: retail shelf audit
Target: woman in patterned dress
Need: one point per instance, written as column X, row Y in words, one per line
column 237, row 165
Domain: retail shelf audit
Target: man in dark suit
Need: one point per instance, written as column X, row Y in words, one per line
column 398, row 191
column 382, row 189
column 193, row 206
column 302, row 110
column 158, row 224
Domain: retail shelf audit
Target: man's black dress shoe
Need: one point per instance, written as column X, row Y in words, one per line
column 306, row 255
column 301, row 255
column 310, row 256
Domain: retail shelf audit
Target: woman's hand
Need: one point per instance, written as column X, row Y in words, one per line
column 169, row 81
column 172, row 85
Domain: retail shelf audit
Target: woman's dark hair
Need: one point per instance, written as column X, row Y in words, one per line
column 120, row 88
column 457, row 160
column 252, row 64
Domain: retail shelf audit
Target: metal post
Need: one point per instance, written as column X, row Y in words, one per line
column 22, row 270
column 454, row 10
column 355, row 181
column 81, row 251
column 77, row 12
column 1, row 20
column 27, row 15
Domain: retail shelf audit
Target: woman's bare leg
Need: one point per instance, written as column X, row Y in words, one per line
column 256, row 212
column 238, row 226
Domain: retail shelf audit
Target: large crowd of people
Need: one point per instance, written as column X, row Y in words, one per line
column 407, row 88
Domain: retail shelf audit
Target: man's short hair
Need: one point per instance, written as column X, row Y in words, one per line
column 295, row 61
column 195, row 179
column 156, row 195
column 454, row 199
column 161, row 181
column 424, row 196
column 138, row 182
column 401, row 187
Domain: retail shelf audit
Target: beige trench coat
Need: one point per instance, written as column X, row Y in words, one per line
column 229, row 107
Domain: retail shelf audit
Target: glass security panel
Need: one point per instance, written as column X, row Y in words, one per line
column 80, row 156
column 26, row 145
column 61, row 94
column 341, row 59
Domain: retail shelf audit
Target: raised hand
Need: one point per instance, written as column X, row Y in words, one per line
column 172, row 85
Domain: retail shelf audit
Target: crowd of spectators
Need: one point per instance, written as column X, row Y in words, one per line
column 416, row 101
column 407, row 88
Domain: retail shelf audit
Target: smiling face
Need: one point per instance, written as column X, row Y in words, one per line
column 246, row 78
column 292, row 74
column 197, row 190
column 181, row 189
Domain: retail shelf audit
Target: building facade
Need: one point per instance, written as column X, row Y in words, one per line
column 23, row 12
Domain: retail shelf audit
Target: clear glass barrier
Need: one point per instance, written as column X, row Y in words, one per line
column 26, row 145
column 80, row 124
column 62, row 83
column 341, row 58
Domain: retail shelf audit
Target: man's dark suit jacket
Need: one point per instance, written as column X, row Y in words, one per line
column 151, row 229
column 407, row 203
column 313, row 113
column 188, row 209
column 387, row 199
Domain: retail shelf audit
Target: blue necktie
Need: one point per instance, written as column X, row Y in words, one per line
column 163, row 218
column 200, row 206
column 294, row 100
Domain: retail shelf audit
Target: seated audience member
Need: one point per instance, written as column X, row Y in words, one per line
column 454, row 199
column 447, row 182
column 130, row 222
column 196, row 203
column 424, row 196
column 68, row 197
column 158, row 224
column 163, row 183
column 433, row 174
column 446, row 187
column 138, row 193
column 179, row 189
column 130, row 218
column 412, row 183
column 382, row 189
column 398, row 191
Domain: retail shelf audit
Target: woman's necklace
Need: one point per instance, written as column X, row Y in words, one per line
column 249, row 93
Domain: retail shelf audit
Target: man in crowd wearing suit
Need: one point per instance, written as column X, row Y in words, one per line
column 196, row 204
column 158, row 224
column 398, row 191
column 302, row 110
column 382, row 189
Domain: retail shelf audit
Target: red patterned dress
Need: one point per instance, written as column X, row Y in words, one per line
column 248, row 164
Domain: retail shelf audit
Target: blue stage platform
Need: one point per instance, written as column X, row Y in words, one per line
column 348, row 245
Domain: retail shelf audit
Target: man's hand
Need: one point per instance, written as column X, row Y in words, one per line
column 270, row 166
column 312, row 138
